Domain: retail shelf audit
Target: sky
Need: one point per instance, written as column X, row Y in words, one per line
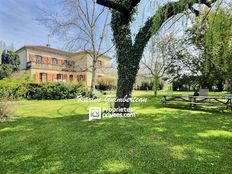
column 18, row 24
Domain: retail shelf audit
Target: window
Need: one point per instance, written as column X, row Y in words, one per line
column 43, row 77
column 100, row 79
column 54, row 61
column 59, row 77
column 73, row 63
column 99, row 63
column 82, row 77
column 71, row 78
column 65, row 62
column 38, row 59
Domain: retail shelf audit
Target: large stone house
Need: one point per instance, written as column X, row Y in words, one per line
column 46, row 64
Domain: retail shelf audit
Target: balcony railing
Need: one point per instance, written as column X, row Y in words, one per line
column 44, row 66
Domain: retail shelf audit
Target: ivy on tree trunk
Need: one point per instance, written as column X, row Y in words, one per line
column 129, row 54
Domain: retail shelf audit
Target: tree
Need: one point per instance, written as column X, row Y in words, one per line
column 186, row 83
column 5, row 71
column 156, row 79
column 218, row 45
column 211, row 36
column 129, row 53
column 162, row 59
column 82, row 26
column 10, row 57
column 196, row 62
column 3, row 47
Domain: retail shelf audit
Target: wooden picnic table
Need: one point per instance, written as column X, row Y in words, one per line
column 200, row 100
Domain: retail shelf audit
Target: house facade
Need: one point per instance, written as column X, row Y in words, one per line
column 46, row 64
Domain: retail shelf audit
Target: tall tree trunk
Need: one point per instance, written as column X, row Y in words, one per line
column 126, row 72
column 156, row 79
column 93, row 80
column 229, row 88
column 126, row 81
column 220, row 86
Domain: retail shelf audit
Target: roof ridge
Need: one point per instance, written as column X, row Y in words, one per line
column 55, row 50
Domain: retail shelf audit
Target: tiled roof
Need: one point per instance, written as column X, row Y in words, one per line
column 53, row 50
column 46, row 49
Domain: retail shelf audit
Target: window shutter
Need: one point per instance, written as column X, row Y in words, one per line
column 65, row 77
column 37, row 77
column 50, row 77
column 31, row 57
column 49, row 60
column 59, row 62
column 43, row 59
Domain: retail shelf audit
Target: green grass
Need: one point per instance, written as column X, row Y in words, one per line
column 56, row 137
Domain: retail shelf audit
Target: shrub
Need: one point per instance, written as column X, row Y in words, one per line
column 106, row 83
column 18, row 89
column 146, row 86
column 12, row 89
column 55, row 91
column 95, row 94
column 103, row 87
column 5, row 70
column 6, row 109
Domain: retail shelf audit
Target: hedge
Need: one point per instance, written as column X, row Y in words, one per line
column 55, row 91
column 11, row 89
column 40, row 91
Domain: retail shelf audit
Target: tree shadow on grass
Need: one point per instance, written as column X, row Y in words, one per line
column 172, row 142
column 155, row 102
column 210, row 109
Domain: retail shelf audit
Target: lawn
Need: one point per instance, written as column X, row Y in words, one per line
column 56, row 137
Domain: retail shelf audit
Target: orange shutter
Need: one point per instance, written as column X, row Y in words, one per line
column 50, row 77
column 65, row 76
column 78, row 78
column 49, row 60
column 44, row 60
column 84, row 77
column 59, row 62
column 37, row 77
column 31, row 57
column 54, row 77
